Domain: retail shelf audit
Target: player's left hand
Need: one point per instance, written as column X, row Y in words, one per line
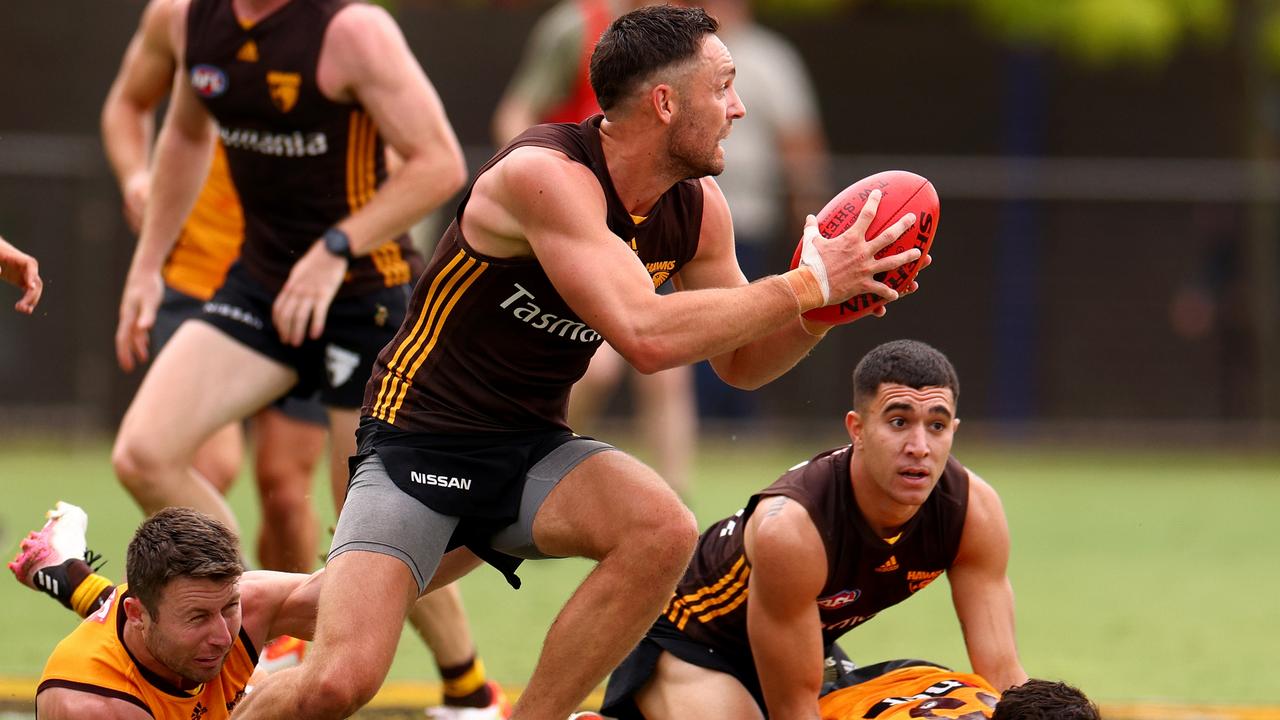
column 301, row 307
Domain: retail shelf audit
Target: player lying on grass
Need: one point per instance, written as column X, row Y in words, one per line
column 902, row 689
column 834, row 541
column 179, row 640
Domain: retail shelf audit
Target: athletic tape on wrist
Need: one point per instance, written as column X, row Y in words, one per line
column 805, row 287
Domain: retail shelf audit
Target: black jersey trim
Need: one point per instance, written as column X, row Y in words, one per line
column 93, row 690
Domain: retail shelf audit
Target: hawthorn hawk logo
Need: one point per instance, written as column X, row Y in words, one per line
column 284, row 89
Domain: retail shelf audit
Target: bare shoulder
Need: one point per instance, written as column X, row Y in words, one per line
column 164, row 25
column 534, row 182
column 59, row 703
column 530, row 194
column 542, row 166
column 780, row 526
column 359, row 32
column 984, row 501
column 984, row 541
column 716, row 219
column 782, row 544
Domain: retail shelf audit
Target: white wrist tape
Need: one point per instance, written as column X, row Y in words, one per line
column 810, row 258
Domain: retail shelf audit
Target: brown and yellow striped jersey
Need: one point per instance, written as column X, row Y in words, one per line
column 865, row 573
column 488, row 344
column 299, row 161
column 921, row 691
column 94, row 659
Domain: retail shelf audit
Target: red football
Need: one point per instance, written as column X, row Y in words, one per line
column 901, row 192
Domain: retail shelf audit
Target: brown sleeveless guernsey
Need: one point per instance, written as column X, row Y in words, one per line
column 300, row 162
column 488, row 344
column 865, row 573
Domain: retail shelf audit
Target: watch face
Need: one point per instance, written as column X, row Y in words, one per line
column 337, row 242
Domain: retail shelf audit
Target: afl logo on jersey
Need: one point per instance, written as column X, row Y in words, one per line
column 839, row 600
column 208, row 81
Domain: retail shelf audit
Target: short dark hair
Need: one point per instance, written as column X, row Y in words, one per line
column 179, row 542
column 1044, row 700
column 641, row 42
column 905, row 362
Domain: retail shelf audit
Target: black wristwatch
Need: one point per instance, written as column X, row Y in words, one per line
column 337, row 243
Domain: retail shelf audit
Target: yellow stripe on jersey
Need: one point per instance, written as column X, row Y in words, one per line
column 389, row 261
column 371, row 164
column 722, row 593
column 447, row 287
column 435, row 335
column 394, row 365
column 361, row 141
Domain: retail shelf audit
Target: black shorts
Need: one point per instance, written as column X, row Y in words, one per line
column 637, row 668
column 335, row 367
column 177, row 307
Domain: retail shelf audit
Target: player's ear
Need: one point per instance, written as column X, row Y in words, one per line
column 133, row 610
column 663, row 98
column 853, row 426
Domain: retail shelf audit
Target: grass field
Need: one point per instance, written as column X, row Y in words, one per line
column 1146, row 575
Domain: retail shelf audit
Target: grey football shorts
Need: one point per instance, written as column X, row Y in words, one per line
column 379, row 517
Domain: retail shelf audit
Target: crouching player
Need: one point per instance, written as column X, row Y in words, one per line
column 826, row 547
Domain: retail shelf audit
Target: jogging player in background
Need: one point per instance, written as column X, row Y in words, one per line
column 304, row 94
column 289, row 435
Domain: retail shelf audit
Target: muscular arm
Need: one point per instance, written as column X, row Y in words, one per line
column 67, row 704
column 144, row 78
column 365, row 59
column 788, row 571
column 767, row 357
column 279, row 603
column 981, row 592
column 557, row 205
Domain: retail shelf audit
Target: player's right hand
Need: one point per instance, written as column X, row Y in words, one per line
column 849, row 259
column 142, row 295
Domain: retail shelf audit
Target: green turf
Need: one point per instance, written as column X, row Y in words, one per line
column 1139, row 575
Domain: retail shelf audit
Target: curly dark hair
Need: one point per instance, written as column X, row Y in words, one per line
column 179, row 542
column 1045, row 700
column 641, row 42
column 905, row 362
